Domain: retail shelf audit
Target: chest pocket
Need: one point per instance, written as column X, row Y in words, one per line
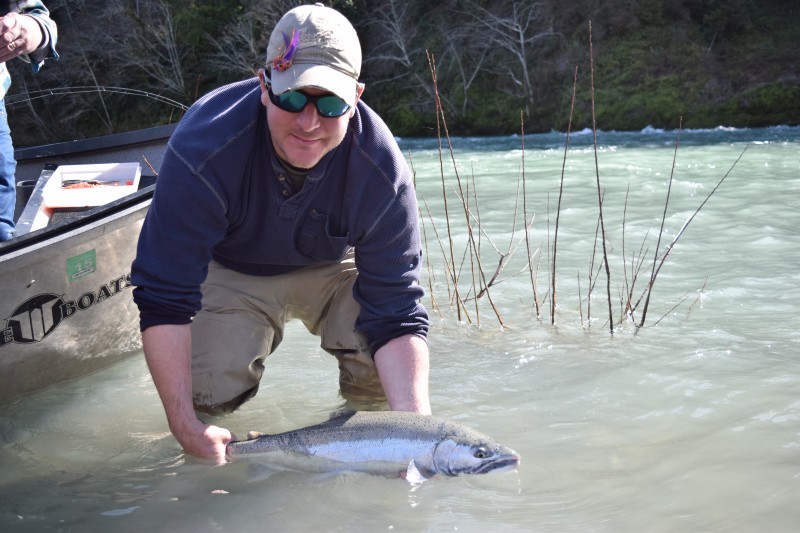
column 315, row 240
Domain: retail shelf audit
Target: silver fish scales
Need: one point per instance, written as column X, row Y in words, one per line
column 387, row 443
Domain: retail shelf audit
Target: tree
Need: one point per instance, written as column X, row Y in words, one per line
column 154, row 49
column 398, row 49
column 514, row 29
column 240, row 50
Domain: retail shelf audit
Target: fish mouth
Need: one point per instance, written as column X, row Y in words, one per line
column 501, row 464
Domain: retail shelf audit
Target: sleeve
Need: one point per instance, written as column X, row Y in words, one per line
column 184, row 222
column 41, row 15
column 389, row 260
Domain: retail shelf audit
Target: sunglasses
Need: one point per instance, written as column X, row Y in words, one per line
column 328, row 105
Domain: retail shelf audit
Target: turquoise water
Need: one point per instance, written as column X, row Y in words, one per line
column 689, row 423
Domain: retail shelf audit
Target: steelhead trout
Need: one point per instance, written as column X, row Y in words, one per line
column 388, row 443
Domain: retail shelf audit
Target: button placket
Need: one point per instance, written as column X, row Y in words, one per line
column 285, row 187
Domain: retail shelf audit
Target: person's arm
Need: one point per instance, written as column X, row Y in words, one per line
column 19, row 34
column 403, row 366
column 167, row 349
column 30, row 35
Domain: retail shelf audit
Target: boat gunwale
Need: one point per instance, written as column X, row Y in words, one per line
column 142, row 196
column 74, row 148
column 94, row 144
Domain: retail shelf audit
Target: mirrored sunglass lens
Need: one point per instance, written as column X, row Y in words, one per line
column 292, row 101
column 331, row 106
column 295, row 102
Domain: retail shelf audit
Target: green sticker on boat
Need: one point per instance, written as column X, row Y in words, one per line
column 82, row 265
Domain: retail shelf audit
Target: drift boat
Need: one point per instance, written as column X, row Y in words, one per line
column 66, row 306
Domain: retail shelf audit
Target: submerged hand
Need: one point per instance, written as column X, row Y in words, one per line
column 168, row 351
column 205, row 440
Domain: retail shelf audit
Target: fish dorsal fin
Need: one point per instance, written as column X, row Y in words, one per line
column 341, row 412
column 413, row 475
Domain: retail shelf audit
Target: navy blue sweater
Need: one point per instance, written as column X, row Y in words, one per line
column 222, row 194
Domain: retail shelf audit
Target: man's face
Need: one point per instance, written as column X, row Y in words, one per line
column 302, row 139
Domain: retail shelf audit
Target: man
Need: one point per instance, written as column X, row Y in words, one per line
column 282, row 197
column 27, row 32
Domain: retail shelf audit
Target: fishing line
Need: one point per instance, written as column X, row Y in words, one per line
column 64, row 91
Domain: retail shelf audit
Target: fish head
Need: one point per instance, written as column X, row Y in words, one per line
column 456, row 456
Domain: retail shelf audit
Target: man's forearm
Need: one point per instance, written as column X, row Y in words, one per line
column 167, row 349
column 404, row 368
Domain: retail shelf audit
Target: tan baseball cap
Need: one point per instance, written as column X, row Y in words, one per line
column 315, row 46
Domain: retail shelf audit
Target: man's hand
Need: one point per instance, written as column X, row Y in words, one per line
column 204, row 440
column 168, row 351
column 19, row 35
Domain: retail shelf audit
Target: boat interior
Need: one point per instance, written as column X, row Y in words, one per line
column 65, row 185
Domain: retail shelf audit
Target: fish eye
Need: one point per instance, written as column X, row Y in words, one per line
column 481, row 453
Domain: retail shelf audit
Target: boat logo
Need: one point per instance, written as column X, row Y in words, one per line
column 38, row 316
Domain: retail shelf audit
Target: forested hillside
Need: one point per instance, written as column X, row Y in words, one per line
column 499, row 64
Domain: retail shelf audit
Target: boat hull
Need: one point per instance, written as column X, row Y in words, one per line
column 67, row 304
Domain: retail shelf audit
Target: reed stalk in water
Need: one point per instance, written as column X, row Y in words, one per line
column 671, row 245
column 599, row 191
column 476, row 235
column 558, row 207
column 663, row 220
column 439, row 125
column 525, row 216
column 473, row 249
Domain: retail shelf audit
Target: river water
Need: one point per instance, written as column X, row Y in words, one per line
column 688, row 423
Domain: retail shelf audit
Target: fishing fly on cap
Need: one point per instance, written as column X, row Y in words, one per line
column 283, row 60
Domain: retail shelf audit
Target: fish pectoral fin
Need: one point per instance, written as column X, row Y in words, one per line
column 413, row 475
column 254, row 435
column 258, row 472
